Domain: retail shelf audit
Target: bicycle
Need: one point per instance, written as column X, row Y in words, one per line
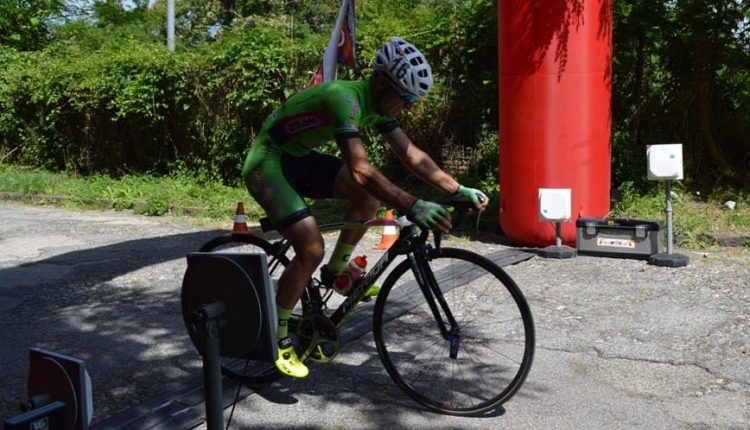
column 452, row 329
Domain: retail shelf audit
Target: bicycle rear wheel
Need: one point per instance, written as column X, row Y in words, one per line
column 476, row 363
column 250, row 372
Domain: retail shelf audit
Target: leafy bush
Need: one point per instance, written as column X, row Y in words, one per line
column 105, row 95
column 130, row 105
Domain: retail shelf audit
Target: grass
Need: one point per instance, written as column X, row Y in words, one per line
column 179, row 194
column 698, row 222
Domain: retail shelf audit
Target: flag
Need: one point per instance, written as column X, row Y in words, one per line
column 340, row 49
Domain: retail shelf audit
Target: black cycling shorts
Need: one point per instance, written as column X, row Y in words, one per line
column 278, row 181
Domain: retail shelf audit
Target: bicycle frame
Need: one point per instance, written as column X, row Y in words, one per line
column 415, row 248
column 430, row 290
column 361, row 286
column 425, row 281
column 407, row 242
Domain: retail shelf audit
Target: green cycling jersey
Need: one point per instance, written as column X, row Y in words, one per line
column 334, row 110
column 282, row 166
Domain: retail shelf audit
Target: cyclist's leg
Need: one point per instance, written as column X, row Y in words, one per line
column 309, row 250
column 322, row 176
column 307, row 242
column 265, row 180
column 362, row 205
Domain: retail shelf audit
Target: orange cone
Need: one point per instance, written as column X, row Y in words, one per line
column 240, row 223
column 390, row 234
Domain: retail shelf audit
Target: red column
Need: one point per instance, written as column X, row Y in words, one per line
column 555, row 111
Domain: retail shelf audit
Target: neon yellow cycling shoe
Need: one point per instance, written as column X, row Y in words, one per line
column 288, row 363
column 372, row 291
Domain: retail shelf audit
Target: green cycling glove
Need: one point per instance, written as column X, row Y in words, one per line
column 427, row 214
column 473, row 195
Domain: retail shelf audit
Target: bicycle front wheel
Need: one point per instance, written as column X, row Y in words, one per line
column 457, row 337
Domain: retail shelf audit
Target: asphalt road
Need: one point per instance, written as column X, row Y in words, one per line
column 620, row 343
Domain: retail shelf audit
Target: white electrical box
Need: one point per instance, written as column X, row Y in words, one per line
column 554, row 204
column 664, row 161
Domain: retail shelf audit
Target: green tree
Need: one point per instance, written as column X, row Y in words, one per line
column 24, row 24
column 704, row 56
column 639, row 83
column 681, row 74
column 114, row 13
column 88, row 92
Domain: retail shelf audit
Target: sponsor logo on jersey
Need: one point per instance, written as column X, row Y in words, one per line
column 300, row 123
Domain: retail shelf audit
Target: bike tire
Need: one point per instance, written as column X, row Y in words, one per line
column 495, row 346
column 249, row 372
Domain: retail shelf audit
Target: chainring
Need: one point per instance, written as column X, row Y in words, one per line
column 317, row 338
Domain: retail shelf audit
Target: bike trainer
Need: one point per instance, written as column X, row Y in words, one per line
column 229, row 311
column 59, row 390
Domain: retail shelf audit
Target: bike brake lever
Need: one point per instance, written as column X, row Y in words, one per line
column 464, row 207
column 476, row 223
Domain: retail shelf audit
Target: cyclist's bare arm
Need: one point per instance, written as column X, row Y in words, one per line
column 419, row 162
column 365, row 174
column 422, row 165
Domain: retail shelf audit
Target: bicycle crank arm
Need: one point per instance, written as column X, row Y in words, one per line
column 318, row 339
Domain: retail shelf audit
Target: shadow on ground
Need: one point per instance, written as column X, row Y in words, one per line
column 116, row 306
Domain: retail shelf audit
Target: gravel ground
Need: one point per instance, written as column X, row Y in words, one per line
column 620, row 343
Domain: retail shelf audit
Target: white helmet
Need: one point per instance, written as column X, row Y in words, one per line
column 406, row 66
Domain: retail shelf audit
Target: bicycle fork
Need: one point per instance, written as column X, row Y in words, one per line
column 444, row 319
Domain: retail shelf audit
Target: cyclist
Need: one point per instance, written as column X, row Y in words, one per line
column 282, row 167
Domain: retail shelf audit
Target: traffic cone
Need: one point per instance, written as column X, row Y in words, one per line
column 240, row 223
column 390, row 234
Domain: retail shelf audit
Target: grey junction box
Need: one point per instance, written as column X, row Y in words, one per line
column 618, row 237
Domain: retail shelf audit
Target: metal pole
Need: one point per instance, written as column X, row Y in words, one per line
column 558, row 233
column 212, row 378
column 208, row 319
column 669, row 216
column 170, row 25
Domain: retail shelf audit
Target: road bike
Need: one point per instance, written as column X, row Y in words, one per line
column 452, row 328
